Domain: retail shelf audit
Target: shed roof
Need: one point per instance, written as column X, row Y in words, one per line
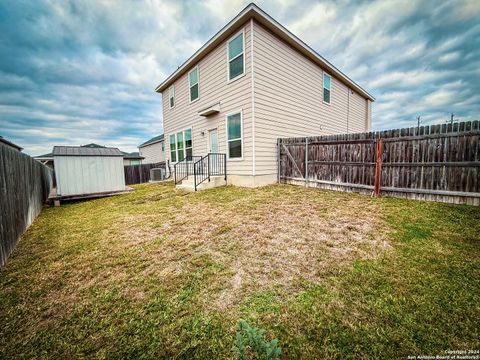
column 152, row 140
column 252, row 11
column 85, row 151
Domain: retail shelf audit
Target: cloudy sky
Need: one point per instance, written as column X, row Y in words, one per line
column 75, row 72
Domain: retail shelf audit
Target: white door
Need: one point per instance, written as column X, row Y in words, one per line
column 213, row 141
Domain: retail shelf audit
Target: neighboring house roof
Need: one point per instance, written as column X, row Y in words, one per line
column 9, row 143
column 152, row 141
column 85, row 151
column 132, row 156
column 48, row 156
column 252, row 11
column 92, row 145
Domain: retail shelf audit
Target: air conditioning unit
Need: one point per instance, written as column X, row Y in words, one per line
column 157, row 174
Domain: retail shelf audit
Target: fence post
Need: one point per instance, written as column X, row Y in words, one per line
column 194, row 176
column 378, row 167
column 306, row 162
column 278, row 160
column 225, row 165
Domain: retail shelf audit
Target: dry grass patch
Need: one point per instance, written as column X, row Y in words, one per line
column 265, row 239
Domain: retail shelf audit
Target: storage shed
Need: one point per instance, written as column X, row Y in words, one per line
column 83, row 171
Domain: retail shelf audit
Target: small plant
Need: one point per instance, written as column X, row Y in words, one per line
column 250, row 344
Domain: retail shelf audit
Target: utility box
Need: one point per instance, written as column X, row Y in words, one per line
column 157, row 174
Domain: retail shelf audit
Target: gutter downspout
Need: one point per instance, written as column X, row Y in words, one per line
column 253, row 98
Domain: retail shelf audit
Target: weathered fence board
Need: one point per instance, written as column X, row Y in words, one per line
column 438, row 162
column 24, row 186
column 137, row 174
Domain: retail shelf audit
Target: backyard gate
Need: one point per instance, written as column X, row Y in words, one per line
column 438, row 162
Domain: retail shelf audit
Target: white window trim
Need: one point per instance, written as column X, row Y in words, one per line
column 241, row 135
column 176, row 147
column 170, row 97
column 243, row 52
column 323, row 88
column 190, row 85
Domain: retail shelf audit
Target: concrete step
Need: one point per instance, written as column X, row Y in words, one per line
column 215, row 181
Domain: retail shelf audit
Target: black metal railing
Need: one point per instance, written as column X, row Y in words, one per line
column 201, row 168
column 184, row 167
column 212, row 164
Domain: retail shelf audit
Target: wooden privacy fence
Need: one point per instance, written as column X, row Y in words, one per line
column 137, row 174
column 438, row 162
column 24, row 187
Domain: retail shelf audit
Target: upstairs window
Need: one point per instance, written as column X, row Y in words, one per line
column 236, row 62
column 193, row 84
column 234, row 136
column 326, row 88
column 171, row 97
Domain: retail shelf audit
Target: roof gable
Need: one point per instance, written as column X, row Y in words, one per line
column 252, row 11
column 92, row 145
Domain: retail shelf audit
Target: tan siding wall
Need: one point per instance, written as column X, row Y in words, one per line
column 152, row 153
column 214, row 87
column 288, row 99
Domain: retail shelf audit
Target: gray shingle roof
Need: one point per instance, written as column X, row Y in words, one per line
column 132, row 155
column 152, row 140
column 85, row 151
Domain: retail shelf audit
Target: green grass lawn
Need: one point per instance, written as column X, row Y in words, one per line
column 160, row 273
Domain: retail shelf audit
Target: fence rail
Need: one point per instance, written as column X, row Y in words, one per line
column 438, row 162
column 24, row 187
column 138, row 174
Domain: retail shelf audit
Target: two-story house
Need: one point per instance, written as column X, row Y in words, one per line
column 251, row 83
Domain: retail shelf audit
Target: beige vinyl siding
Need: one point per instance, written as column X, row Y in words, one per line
column 214, row 87
column 289, row 99
column 357, row 113
column 152, row 153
